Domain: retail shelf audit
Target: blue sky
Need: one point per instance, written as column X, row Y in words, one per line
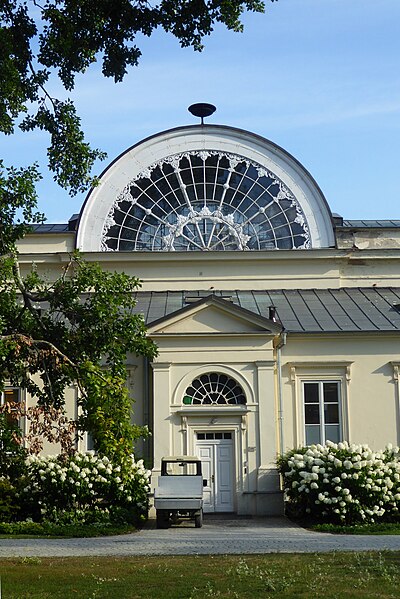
column 321, row 78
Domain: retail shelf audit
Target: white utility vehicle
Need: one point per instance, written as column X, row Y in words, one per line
column 180, row 491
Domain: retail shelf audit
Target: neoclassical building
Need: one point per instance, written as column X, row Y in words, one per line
column 277, row 322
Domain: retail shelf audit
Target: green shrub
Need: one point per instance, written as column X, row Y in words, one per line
column 342, row 483
column 9, row 505
column 84, row 489
column 12, row 453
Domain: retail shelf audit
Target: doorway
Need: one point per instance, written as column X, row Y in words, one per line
column 216, row 453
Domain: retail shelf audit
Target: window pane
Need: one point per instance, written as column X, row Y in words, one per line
column 331, row 392
column 11, row 395
column 313, row 435
column 312, row 414
column 311, row 394
column 331, row 413
column 332, row 433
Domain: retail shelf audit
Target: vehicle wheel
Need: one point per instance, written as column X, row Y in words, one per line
column 198, row 519
column 162, row 519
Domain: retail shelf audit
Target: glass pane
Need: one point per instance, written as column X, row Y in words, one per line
column 332, row 433
column 311, row 393
column 218, row 435
column 313, row 435
column 331, row 413
column 201, row 436
column 312, row 414
column 11, row 395
column 331, row 394
column 227, row 435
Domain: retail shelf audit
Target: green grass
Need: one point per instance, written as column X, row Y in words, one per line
column 300, row 576
column 383, row 528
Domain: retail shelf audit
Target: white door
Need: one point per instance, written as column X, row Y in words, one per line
column 216, row 453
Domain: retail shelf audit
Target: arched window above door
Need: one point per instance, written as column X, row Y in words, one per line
column 214, row 388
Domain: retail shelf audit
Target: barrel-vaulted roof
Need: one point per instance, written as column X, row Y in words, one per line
column 205, row 188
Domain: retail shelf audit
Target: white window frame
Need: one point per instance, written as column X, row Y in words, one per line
column 321, row 404
column 303, row 372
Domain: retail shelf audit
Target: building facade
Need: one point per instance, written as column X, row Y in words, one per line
column 277, row 322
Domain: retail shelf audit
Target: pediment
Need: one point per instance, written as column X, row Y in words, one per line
column 213, row 316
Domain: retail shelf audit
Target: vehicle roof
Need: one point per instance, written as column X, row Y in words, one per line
column 181, row 458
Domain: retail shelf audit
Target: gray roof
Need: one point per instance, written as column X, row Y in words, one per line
column 346, row 224
column 371, row 224
column 299, row 310
column 50, row 228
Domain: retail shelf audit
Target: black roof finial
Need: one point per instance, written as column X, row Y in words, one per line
column 202, row 110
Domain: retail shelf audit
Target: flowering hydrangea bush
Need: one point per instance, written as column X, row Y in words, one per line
column 342, row 483
column 84, row 487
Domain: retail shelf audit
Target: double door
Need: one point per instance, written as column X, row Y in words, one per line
column 216, row 453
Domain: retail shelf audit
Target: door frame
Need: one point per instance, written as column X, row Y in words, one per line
column 215, row 443
column 234, row 424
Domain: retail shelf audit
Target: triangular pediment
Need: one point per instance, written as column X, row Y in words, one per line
column 213, row 315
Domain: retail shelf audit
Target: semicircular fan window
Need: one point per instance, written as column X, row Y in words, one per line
column 214, row 388
column 205, row 201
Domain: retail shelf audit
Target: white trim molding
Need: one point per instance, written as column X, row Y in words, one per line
column 320, row 371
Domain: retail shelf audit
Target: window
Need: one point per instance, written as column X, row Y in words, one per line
column 11, row 396
column 322, row 411
column 214, row 388
column 205, row 200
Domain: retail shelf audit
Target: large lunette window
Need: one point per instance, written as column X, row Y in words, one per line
column 322, row 412
column 205, row 201
column 214, row 388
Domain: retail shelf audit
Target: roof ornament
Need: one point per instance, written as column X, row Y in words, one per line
column 202, row 110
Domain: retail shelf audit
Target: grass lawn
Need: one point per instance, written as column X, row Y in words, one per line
column 300, row 576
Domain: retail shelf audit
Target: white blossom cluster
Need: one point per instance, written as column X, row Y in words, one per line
column 84, row 482
column 342, row 482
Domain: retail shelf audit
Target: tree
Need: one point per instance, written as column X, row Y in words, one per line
column 75, row 330
column 80, row 327
column 39, row 39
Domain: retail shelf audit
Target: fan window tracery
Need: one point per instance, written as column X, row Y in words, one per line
column 205, row 201
column 214, row 389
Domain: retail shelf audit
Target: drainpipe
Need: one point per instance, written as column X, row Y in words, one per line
column 146, row 405
column 281, row 343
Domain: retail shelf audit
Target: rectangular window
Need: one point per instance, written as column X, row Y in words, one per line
column 322, row 412
column 12, row 397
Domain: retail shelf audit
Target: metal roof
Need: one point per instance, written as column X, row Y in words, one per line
column 346, row 224
column 371, row 224
column 367, row 309
column 50, row 228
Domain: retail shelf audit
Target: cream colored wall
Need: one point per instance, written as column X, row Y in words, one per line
column 284, row 269
column 365, row 363
column 46, row 242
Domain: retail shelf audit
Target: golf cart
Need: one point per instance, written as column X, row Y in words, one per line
column 180, row 491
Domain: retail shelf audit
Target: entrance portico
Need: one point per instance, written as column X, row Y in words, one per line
column 214, row 395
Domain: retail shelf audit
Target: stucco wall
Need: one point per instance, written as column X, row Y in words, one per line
column 364, row 364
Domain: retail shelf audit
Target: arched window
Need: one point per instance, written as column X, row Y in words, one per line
column 214, row 388
column 205, row 201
